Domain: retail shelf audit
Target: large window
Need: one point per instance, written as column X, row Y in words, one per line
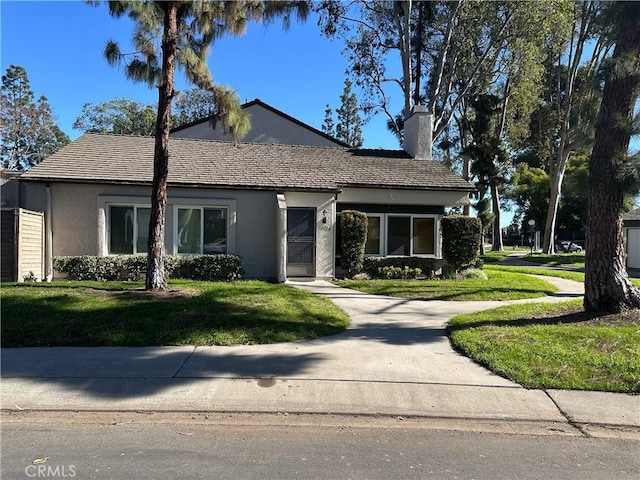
column 401, row 235
column 410, row 235
column 128, row 229
column 201, row 230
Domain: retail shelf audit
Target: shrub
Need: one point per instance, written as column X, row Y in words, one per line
column 474, row 273
column 353, row 225
column 398, row 273
column 133, row 267
column 427, row 266
column 212, row 268
column 460, row 241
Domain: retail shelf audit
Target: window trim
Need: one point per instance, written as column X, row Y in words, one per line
column 382, row 247
column 202, row 208
column 411, row 217
column 105, row 200
column 135, row 207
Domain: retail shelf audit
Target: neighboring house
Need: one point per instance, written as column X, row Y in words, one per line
column 632, row 238
column 268, row 125
column 275, row 206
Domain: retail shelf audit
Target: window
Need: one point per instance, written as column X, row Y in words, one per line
column 423, row 236
column 372, row 247
column 409, row 235
column 128, row 229
column 201, row 230
column 401, row 235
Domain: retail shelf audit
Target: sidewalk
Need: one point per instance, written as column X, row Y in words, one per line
column 394, row 359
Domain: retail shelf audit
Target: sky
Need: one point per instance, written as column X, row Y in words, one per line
column 60, row 44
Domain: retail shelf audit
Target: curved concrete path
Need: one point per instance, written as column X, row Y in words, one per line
column 394, row 359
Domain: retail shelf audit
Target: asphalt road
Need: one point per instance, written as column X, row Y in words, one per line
column 124, row 449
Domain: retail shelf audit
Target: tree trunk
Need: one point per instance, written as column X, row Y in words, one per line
column 607, row 285
column 497, row 244
column 155, row 279
column 555, row 179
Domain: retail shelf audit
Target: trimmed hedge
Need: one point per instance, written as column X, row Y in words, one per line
column 460, row 241
column 223, row 268
column 373, row 266
column 353, row 225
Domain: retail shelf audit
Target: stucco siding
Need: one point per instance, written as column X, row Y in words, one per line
column 80, row 219
column 388, row 196
column 266, row 127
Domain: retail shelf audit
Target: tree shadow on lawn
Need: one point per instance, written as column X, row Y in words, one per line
column 576, row 316
column 490, row 293
column 139, row 318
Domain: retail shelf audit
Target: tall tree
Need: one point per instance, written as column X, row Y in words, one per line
column 119, row 116
column 328, row 126
column 349, row 126
column 571, row 99
column 29, row 131
column 186, row 31
column 607, row 286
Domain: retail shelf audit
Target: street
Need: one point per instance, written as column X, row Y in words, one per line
column 118, row 446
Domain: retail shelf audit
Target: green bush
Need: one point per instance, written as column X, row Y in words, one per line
column 428, row 266
column 133, row 267
column 398, row 273
column 353, row 225
column 212, row 268
column 460, row 241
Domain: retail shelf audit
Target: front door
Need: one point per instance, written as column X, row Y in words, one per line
column 301, row 242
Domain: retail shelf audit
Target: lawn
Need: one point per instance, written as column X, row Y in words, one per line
column 501, row 285
column 492, row 256
column 554, row 346
column 568, row 274
column 574, row 260
column 191, row 313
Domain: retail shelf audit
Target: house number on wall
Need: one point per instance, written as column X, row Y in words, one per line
column 325, row 229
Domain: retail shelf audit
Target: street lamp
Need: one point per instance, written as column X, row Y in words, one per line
column 531, row 223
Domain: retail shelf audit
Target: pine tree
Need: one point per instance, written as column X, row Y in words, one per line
column 327, row 126
column 186, row 30
column 607, row 285
column 349, row 127
column 29, row 133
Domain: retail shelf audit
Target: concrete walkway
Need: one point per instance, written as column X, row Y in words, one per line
column 394, row 359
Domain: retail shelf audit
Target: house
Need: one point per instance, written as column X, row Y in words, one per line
column 631, row 228
column 274, row 205
column 268, row 125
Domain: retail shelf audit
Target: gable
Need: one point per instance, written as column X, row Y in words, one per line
column 268, row 125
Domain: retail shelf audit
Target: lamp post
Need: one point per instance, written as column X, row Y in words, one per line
column 531, row 223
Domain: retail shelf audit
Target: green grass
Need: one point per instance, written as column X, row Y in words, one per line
column 574, row 260
column 501, row 285
column 195, row 313
column 551, row 352
column 568, row 274
column 492, row 256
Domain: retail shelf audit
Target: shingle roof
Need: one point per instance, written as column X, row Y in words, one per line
column 99, row 158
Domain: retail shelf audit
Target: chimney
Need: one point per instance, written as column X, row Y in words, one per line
column 418, row 131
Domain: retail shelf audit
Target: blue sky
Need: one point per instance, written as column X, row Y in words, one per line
column 60, row 45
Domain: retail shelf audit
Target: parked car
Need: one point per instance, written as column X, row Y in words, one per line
column 570, row 247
